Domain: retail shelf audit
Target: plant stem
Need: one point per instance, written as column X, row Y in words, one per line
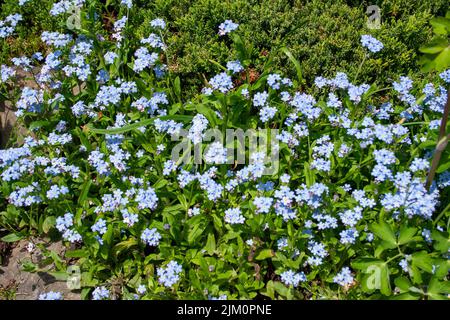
column 359, row 68
column 442, row 143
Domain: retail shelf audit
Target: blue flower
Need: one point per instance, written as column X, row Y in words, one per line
column 419, row 165
column 351, row 217
column 227, row 26
column 127, row 3
column 170, row 275
column 141, row 289
column 235, row 66
column 291, row 278
column 6, row 73
column 99, row 226
column 260, row 98
column 344, row 277
column 129, row 218
column 216, row 154
column 371, row 43
column 151, row 237
column 404, row 265
column 100, row 293
column 110, row 57
column 56, row 191
column 51, row 295
column 221, row 82
column 158, row 23
column 263, row 204
column 146, row 198
column 267, row 113
column 349, row 236
column 234, row 216
column 169, row 166
column 445, row 75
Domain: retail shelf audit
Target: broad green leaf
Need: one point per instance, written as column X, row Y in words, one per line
column 364, row 263
column 84, row 192
column 210, row 244
column 125, row 245
column 384, row 231
column 143, row 123
column 403, row 283
column 12, row 237
column 405, row 296
column 434, row 46
column 385, row 280
column 436, row 288
column 177, row 87
column 78, row 253
column 297, row 65
column 441, row 25
column 406, row 235
column 38, row 124
column 441, row 241
column 195, row 233
column 49, row 223
column 264, row 254
column 423, row 260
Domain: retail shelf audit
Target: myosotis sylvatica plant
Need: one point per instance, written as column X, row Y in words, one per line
column 346, row 214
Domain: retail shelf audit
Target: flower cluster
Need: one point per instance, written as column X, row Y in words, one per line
column 169, row 275
column 348, row 182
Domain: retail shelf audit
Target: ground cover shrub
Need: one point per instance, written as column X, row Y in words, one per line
column 321, row 34
column 343, row 213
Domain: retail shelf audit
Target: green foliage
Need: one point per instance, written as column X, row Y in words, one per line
column 26, row 40
column 243, row 260
column 322, row 35
column 437, row 51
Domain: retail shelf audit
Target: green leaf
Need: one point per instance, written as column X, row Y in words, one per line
column 124, row 245
column 264, row 254
column 79, row 253
column 49, row 223
column 38, row 124
column 195, row 233
column 403, row 283
column 364, row 263
column 210, row 244
column 423, row 261
column 208, row 113
column 443, row 167
column 12, row 237
column 240, row 46
column 59, row 275
column 436, row 288
column 442, row 61
column 298, row 68
column 406, row 235
column 441, row 241
column 440, row 25
column 177, row 87
column 434, row 46
column 142, row 123
column 405, row 296
column 280, row 288
column 384, row 231
column 385, row 280
column 84, row 192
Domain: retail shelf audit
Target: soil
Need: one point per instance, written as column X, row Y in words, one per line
column 7, row 112
column 23, row 285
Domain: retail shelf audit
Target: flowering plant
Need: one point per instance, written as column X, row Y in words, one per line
column 345, row 214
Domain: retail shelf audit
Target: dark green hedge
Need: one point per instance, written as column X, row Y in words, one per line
column 322, row 34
